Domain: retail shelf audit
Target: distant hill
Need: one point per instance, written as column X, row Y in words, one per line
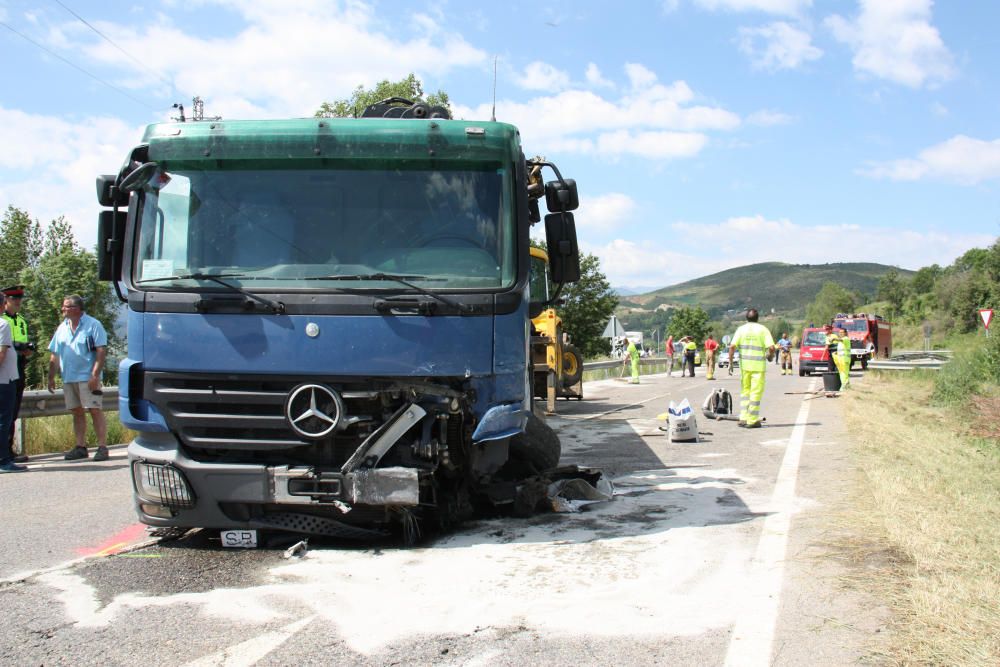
column 787, row 288
column 626, row 291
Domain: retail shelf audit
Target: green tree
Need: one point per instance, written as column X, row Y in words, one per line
column 923, row 280
column 20, row 245
column 831, row 299
column 72, row 270
column 892, row 289
column 689, row 321
column 409, row 88
column 587, row 307
column 779, row 326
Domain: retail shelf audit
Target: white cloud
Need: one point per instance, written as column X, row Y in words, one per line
column 777, row 46
column 895, row 40
column 46, row 155
column 652, row 120
column 639, row 76
column 768, row 118
column 782, row 7
column 279, row 63
column 542, row 76
column 595, row 78
column 939, row 109
column 605, row 212
column 961, row 159
column 710, row 248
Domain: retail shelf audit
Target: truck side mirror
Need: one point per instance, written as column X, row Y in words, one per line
column 561, row 196
column 107, row 194
column 110, row 242
column 564, row 254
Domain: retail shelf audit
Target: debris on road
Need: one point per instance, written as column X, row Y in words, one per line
column 297, row 549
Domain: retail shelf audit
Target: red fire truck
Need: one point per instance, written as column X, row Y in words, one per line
column 871, row 336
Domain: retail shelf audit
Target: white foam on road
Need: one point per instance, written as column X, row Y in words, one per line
column 655, row 562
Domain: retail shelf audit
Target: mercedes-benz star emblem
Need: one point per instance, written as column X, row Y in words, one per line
column 313, row 410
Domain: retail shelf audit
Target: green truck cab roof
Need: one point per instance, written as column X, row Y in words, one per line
column 333, row 139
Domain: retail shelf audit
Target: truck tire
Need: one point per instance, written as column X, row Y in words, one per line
column 572, row 369
column 864, row 363
column 538, row 446
column 802, row 373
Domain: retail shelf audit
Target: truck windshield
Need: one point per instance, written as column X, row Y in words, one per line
column 283, row 228
column 853, row 325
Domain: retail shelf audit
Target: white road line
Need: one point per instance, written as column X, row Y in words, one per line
column 253, row 650
column 753, row 632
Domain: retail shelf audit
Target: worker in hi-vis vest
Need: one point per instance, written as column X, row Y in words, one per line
column 633, row 353
column 844, row 359
column 755, row 343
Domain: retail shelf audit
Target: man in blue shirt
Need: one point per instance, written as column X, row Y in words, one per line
column 79, row 347
column 785, row 354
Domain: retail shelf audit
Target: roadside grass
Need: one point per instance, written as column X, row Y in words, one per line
column 44, row 435
column 926, row 517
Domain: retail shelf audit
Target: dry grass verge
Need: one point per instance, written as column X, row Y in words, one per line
column 928, row 520
column 55, row 434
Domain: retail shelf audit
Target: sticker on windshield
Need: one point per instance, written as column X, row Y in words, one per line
column 157, row 268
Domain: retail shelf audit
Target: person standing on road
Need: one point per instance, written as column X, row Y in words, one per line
column 754, row 342
column 785, row 353
column 79, row 347
column 710, row 349
column 690, row 350
column 633, row 353
column 22, row 348
column 844, row 359
column 8, row 389
column 669, row 346
column 831, row 348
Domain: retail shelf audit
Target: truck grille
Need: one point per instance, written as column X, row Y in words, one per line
column 245, row 413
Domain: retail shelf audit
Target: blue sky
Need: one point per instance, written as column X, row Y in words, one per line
column 703, row 134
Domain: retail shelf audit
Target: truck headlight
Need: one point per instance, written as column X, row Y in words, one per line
column 162, row 484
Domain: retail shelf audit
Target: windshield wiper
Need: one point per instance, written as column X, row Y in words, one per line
column 275, row 306
column 402, row 280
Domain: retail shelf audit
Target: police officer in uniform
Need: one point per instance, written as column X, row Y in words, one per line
column 13, row 296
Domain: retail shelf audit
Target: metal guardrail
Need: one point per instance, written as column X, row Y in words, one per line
column 42, row 403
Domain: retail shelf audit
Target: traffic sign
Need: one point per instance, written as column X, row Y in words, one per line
column 987, row 315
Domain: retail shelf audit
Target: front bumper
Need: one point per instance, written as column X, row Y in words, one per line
column 214, row 489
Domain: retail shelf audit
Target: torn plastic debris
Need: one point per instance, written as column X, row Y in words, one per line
column 578, row 488
column 297, row 549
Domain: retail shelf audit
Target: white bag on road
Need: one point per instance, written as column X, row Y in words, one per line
column 683, row 423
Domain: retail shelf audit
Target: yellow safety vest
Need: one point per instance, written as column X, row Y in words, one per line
column 753, row 339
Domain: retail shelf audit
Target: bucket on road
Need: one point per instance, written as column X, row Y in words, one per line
column 831, row 381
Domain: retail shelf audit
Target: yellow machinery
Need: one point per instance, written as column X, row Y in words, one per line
column 558, row 364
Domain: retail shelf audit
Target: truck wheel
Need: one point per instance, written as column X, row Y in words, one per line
column 572, row 369
column 538, row 445
column 864, row 363
column 802, row 373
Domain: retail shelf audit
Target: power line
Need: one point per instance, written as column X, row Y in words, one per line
column 112, row 43
column 77, row 67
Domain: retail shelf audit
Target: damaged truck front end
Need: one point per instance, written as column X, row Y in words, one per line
column 328, row 321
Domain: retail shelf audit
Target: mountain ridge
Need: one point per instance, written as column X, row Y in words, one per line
column 786, row 288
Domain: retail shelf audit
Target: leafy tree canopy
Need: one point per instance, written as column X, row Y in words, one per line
column 408, row 87
column 832, row 299
column 689, row 321
column 587, row 307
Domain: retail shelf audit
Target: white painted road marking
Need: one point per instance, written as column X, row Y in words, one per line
column 753, row 633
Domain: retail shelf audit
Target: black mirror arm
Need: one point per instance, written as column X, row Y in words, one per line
column 117, row 278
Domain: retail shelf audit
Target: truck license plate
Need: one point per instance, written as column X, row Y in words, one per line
column 239, row 539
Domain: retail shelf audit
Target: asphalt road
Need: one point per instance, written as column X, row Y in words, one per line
column 711, row 553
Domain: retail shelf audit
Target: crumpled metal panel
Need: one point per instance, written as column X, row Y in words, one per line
column 383, row 486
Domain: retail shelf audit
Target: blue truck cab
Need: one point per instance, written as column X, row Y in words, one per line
column 329, row 319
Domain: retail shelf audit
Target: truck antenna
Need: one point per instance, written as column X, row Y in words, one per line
column 493, row 114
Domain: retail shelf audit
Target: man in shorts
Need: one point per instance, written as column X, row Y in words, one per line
column 79, row 347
